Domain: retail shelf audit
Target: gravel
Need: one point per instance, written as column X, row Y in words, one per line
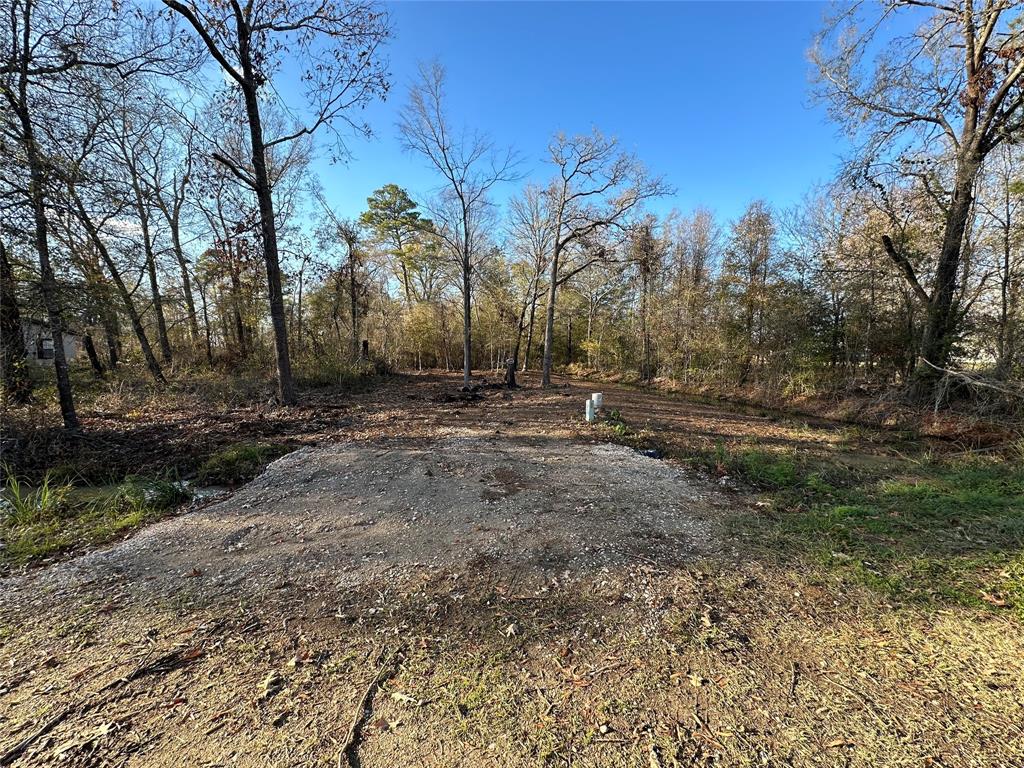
column 349, row 514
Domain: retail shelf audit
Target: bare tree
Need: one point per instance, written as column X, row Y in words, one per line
column 337, row 44
column 471, row 166
column 532, row 236
column 138, row 142
column 596, row 189
column 170, row 191
column 956, row 80
column 1002, row 204
column 50, row 49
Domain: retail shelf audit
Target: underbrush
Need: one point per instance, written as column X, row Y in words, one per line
column 131, row 390
column 315, row 373
column 55, row 517
column 131, row 425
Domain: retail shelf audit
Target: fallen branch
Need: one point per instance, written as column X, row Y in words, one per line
column 974, row 380
column 348, row 755
column 18, row 749
column 162, row 665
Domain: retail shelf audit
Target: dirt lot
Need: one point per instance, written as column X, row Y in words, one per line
column 439, row 582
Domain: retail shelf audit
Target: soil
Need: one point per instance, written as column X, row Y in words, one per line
column 488, row 582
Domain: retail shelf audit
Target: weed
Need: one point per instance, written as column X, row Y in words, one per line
column 24, row 506
column 58, row 518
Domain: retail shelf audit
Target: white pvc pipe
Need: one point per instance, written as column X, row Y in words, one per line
column 598, row 398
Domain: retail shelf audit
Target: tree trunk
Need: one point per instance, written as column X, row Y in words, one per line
column 48, row 282
column 126, row 298
column 112, row 335
column 549, row 322
column 186, row 281
column 234, row 266
column 158, row 307
column 154, row 285
column 353, row 295
column 206, row 325
column 467, row 335
column 268, row 230
column 529, row 333
column 521, row 322
column 299, row 337
column 405, row 282
column 13, row 363
column 646, row 374
column 568, row 343
column 94, row 359
column 1005, row 339
column 941, row 321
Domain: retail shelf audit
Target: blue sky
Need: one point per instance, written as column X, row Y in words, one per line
column 714, row 96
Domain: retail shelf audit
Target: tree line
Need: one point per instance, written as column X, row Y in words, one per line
column 170, row 216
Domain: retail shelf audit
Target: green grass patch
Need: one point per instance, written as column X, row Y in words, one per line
column 57, row 517
column 931, row 532
column 238, row 463
column 921, row 529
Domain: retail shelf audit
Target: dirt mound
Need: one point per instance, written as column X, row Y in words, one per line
column 343, row 515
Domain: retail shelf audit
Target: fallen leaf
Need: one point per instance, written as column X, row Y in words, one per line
column 407, row 699
column 272, row 685
column 995, row 600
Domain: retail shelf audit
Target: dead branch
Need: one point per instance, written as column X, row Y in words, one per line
column 387, row 668
column 161, row 665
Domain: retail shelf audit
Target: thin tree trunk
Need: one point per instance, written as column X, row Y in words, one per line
column 1004, row 340
column 206, row 325
column 353, row 295
column 529, row 333
column 186, row 281
column 405, row 283
column 112, row 334
column 126, row 298
column 645, row 333
column 467, row 334
column 94, row 359
column 549, row 322
column 48, row 281
column 298, row 312
column 234, row 268
column 154, row 285
column 568, row 343
column 158, row 304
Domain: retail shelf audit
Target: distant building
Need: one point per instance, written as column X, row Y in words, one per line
column 39, row 342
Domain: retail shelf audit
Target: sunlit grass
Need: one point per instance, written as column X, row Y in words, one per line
column 55, row 518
